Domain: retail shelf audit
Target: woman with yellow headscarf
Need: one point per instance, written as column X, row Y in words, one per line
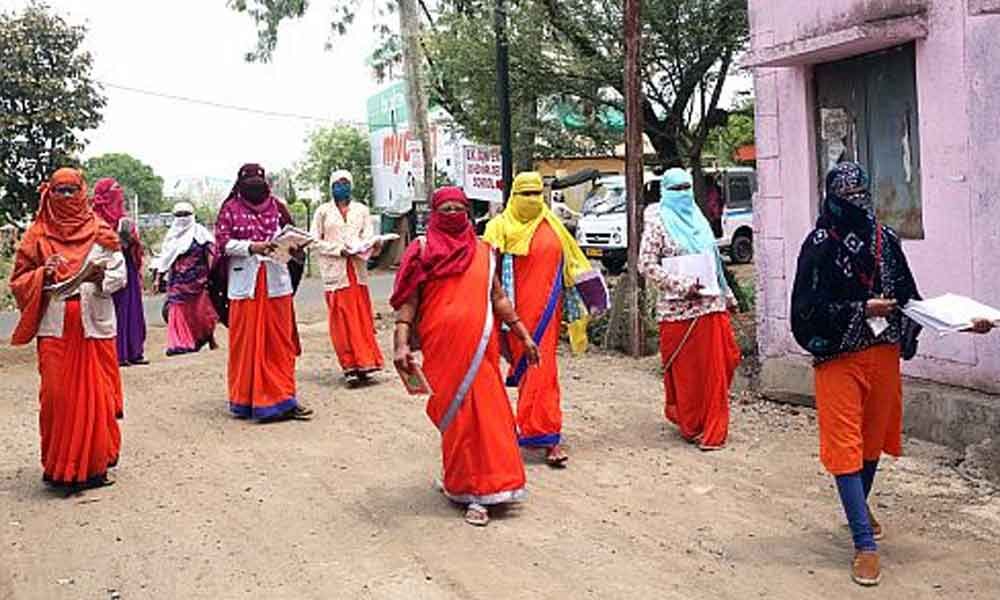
column 547, row 276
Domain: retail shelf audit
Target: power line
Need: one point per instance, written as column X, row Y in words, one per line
column 233, row 107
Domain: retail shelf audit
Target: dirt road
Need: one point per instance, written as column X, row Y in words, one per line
column 210, row 507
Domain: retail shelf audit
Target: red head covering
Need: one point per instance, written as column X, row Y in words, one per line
column 450, row 247
column 109, row 205
column 109, row 201
column 64, row 226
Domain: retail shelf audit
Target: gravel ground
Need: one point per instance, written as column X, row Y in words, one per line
column 206, row 506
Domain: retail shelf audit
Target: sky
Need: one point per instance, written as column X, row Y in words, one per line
column 195, row 49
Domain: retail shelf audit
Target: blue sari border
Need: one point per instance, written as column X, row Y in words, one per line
column 540, row 441
column 267, row 412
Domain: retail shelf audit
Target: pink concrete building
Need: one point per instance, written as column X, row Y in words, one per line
column 910, row 88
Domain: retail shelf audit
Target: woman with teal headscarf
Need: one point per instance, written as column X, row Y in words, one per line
column 697, row 344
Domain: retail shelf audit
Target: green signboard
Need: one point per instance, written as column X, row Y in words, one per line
column 387, row 108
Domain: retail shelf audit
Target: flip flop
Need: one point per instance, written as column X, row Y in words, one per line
column 477, row 515
column 556, row 462
column 301, row 413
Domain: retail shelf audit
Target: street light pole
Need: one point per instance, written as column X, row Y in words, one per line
column 633, row 167
column 503, row 95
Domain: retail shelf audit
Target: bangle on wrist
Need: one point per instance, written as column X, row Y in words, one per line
column 404, row 322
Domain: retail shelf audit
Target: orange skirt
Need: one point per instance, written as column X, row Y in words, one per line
column 539, row 396
column 80, row 436
column 352, row 327
column 859, row 407
column 262, row 352
column 697, row 384
column 482, row 462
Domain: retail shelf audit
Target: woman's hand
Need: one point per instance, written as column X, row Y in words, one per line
column 404, row 359
column 531, row 352
column 981, row 326
column 262, row 248
column 96, row 276
column 694, row 292
column 880, row 307
column 51, row 264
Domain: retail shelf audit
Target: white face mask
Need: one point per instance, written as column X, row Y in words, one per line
column 184, row 222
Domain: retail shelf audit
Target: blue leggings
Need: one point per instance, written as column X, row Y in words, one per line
column 854, row 489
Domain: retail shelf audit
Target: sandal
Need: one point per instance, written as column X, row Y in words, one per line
column 555, row 457
column 301, row 413
column 477, row 515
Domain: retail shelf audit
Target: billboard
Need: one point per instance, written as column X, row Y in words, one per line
column 482, row 173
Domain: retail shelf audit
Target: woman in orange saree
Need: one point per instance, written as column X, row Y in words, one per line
column 543, row 268
column 75, row 331
column 447, row 292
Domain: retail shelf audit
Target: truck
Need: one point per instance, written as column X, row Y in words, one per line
column 602, row 230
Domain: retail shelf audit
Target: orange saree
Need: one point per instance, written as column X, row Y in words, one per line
column 262, row 351
column 538, row 288
column 80, row 436
column 469, row 406
column 705, row 357
column 352, row 327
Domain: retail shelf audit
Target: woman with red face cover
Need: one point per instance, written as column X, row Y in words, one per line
column 263, row 340
column 75, row 331
column 448, row 296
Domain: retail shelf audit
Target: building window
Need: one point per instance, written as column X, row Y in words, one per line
column 866, row 111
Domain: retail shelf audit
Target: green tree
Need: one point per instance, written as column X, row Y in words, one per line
column 134, row 176
column 566, row 57
column 48, row 98
column 737, row 132
column 338, row 147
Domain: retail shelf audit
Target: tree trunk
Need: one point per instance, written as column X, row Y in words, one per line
column 411, row 27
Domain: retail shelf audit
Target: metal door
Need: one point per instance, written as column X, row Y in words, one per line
column 866, row 111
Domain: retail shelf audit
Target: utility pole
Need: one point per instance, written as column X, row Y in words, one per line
column 503, row 95
column 411, row 27
column 633, row 167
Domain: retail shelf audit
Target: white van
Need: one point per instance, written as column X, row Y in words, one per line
column 602, row 230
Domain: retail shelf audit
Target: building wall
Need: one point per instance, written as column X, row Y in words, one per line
column 958, row 89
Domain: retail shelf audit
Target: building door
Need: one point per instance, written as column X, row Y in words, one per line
column 866, row 111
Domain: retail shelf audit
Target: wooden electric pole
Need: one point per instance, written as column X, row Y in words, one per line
column 410, row 28
column 503, row 96
column 634, row 168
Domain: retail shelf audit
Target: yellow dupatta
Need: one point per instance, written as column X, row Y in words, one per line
column 511, row 232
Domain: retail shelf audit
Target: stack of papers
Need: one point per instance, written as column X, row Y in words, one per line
column 365, row 247
column 702, row 268
column 949, row 313
column 288, row 239
column 71, row 286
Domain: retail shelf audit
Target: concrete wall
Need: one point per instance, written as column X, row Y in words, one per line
column 958, row 88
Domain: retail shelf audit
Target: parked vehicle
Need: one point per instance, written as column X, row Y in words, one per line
column 602, row 230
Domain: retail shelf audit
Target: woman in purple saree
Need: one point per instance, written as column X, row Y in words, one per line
column 109, row 204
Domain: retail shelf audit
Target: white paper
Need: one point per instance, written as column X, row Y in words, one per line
column 701, row 268
column 878, row 325
column 288, row 238
column 71, row 286
column 949, row 313
column 365, row 246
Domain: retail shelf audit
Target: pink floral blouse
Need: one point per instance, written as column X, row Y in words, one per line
column 657, row 245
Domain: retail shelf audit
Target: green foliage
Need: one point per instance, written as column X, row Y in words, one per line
column 133, row 175
column 205, row 215
column 566, row 56
column 48, row 98
column 338, row 147
column 738, row 131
